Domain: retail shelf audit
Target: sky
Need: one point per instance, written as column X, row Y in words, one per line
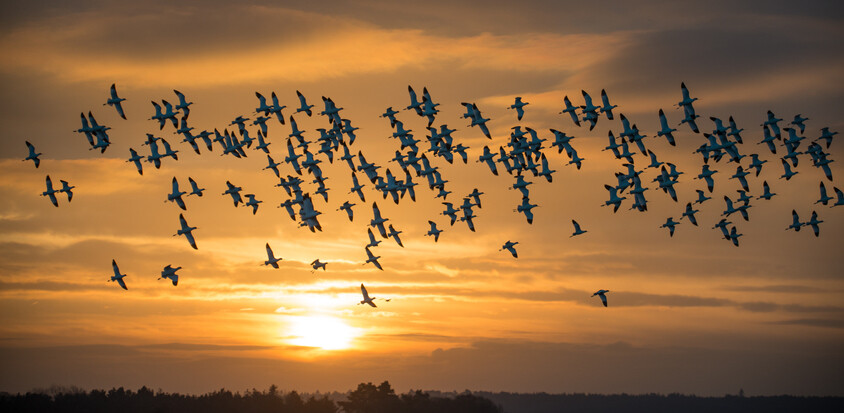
column 689, row 313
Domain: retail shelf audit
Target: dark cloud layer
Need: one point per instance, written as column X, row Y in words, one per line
column 490, row 365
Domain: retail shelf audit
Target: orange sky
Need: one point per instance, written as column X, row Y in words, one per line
column 690, row 314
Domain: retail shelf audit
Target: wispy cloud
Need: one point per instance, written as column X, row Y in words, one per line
column 95, row 52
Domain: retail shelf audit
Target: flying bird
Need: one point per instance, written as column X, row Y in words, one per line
column 519, row 106
column 434, row 231
column 670, row 224
column 602, row 294
column 510, row 246
column 170, row 272
column 117, row 275
column 137, row 160
column 373, row 259
column 795, row 222
column 186, row 230
column 577, row 230
column 366, row 298
column 303, row 105
column 813, row 222
column 32, row 155
column 114, row 101
column 316, row 264
column 195, row 189
column 176, row 195
column 271, row 259
column 50, row 192
column 67, row 189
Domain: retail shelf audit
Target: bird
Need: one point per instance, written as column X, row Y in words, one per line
column 117, row 275
column 234, row 191
column 601, row 293
column 271, row 259
column 252, row 202
column 510, row 246
column 519, row 106
column 183, row 105
column 186, row 230
column 434, row 231
column 176, row 195
column 32, row 155
column 372, row 241
column 690, row 213
column 740, row 175
column 614, row 198
column 316, row 264
column 706, row 174
column 377, row 221
column 767, row 194
column 734, row 236
column 195, row 189
column 606, row 108
column 788, row 172
column 67, row 189
column 722, row 225
column 170, row 272
column 701, row 197
column 577, row 230
column 795, row 222
column 654, row 162
column 347, row 206
column 137, row 160
column 115, row 100
column 395, row 234
column 571, row 111
column 840, row 196
column 813, row 222
column 303, row 105
column 373, row 259
column 666, row 130
column 50, row 192
column 670, row 224
column 366, row 298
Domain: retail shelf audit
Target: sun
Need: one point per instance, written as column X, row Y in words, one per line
column 323, row 332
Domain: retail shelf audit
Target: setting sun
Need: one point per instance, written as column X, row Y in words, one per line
column 323, row 332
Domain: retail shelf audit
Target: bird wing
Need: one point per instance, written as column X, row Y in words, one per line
column 122, row 283
column 376, row 212
column 270, row 255
column 603, row 299
column 191, row 240
column 364, row 292
column 114, row 267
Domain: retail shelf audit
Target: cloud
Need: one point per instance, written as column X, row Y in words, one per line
column 516, row 366
column 812, row 322
column 293, row 51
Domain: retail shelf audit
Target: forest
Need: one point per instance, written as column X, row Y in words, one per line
column 382, row 398
column 365, row 399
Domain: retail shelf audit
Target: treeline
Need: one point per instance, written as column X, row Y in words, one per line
column 367, row 398
column 656, row 403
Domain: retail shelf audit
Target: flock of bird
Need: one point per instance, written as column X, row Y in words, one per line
column 523, row 155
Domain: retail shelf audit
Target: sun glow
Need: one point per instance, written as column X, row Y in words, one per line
column 323, row 332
